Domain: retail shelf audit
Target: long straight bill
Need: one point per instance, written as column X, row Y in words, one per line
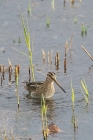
column 59, row 85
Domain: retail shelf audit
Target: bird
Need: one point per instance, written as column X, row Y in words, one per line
column 45, row 87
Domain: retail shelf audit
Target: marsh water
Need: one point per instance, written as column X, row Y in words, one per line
column 26, row 122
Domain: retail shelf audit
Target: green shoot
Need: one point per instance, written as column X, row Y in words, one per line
column 75, row 20
column 29, row 8
column 83, row 29
column 13, row 40
column 16, row 74
column 19, row 40
column 73, row 95
column 47, row 21
column 27, row 40
column 53, row 4
column 74, row 120
column 83, row 83
column 86, row 94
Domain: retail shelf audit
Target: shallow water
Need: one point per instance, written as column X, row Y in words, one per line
column 26, row 122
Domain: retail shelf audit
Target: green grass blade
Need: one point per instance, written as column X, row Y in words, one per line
column 86, row 98
column 83, row 28
column 73, row 95
column 20, row 52
column 27, row 40
column 85, row 87
column 75, row 20
column 87, row 93
column 29, row 8
column 53, row 4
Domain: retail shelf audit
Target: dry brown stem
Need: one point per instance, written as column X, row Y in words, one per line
column 87, row 53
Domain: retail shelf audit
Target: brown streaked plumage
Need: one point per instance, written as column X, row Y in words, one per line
column 46, row 88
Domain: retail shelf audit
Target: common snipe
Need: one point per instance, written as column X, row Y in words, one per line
column 46, row 87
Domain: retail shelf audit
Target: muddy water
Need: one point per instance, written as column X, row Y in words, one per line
column 26, row 122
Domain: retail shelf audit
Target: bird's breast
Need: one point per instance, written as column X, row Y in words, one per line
column 52, row 87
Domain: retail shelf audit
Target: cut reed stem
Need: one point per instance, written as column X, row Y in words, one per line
column 43, row 55
column 65, row 65
column 87, row 53
column 71, row 41
column 16, row 78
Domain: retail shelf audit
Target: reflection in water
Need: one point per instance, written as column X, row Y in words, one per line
column 74, row 138
column 57, row 59
column 51, row 111
column 65, row 65
column 72, row 1
column 70, row 53
column 49, row 104
column 1, row 80
column 64, row 2
column 83, row 33
column 57, row 67
column 74, row 122
column 90, row 69
column 88, row 75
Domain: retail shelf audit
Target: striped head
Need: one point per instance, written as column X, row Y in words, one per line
column 51, row 77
